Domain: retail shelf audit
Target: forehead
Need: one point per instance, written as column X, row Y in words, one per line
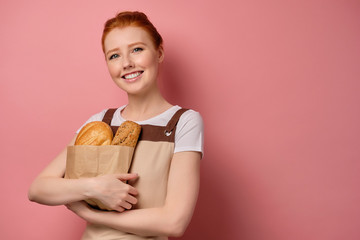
column 122, row 37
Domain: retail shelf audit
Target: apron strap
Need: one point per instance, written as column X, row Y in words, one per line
column 109, row 115
column 170, row 127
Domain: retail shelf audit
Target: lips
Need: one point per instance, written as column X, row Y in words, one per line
column 132, row 76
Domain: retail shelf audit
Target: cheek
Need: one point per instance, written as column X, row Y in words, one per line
column 148, row 61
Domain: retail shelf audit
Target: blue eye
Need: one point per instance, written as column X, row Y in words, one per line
column 114, row 56
column 137, row 49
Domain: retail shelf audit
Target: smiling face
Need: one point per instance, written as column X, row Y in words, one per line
column 132, row 59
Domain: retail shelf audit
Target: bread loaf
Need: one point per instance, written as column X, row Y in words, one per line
column 95, row 133
column 127, row 134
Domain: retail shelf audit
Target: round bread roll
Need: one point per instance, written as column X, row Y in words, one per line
column 95, row 133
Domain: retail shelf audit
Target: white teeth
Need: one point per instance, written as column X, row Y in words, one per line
column 133, row 75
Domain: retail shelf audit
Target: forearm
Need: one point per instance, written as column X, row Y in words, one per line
column 144, row 222
column 59, row 191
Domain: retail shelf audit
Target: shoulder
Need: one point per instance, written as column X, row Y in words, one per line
column 190, row 117
column 189, row 134
column 97, row 117
column 191, row 123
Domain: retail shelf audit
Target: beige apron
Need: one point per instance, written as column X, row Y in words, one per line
column 151, row 161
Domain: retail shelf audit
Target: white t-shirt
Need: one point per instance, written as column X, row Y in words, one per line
column 189, row 134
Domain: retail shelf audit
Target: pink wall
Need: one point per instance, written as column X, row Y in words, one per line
column 277, row 83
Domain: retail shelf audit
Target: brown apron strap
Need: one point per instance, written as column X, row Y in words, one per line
column 109, row 115
column 150, row 132
column 174, row 120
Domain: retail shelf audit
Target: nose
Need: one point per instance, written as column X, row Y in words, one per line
column 127, row 62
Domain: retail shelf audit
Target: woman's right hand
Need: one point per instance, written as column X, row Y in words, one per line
column 112, row 191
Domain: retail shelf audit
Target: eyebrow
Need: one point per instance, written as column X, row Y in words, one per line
column 137, row 43
column 112, row 50
column 130, row 45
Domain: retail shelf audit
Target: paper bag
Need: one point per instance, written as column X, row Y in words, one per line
column 85, row 161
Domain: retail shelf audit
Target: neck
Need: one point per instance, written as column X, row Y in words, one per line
column 145, row 106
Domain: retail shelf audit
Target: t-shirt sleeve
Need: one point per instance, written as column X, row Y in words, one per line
column 96, row 117
column 189, row 134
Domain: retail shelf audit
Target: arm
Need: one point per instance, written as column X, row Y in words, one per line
column 50, row 188
column 169, row 220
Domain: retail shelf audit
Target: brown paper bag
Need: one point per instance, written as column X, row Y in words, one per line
column 85, row 161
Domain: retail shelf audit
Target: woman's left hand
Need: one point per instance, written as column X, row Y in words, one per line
column 80, row 208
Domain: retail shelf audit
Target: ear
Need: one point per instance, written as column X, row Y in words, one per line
column 161, row 54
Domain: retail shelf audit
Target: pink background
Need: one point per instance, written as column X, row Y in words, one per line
column 277, row 83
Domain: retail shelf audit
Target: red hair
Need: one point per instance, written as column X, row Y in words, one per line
column 133, row 19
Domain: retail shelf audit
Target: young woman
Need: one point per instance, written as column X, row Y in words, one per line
column 163, row 182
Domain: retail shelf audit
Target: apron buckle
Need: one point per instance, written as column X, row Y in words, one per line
column 167, row 133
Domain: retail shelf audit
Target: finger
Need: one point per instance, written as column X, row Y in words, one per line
column 127, row 176
column 132, row 200
column 119, row 209
column 126, row 205
column 132, row 190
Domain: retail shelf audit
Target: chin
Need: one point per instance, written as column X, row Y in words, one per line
column 135, row 89
column 132, row 90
